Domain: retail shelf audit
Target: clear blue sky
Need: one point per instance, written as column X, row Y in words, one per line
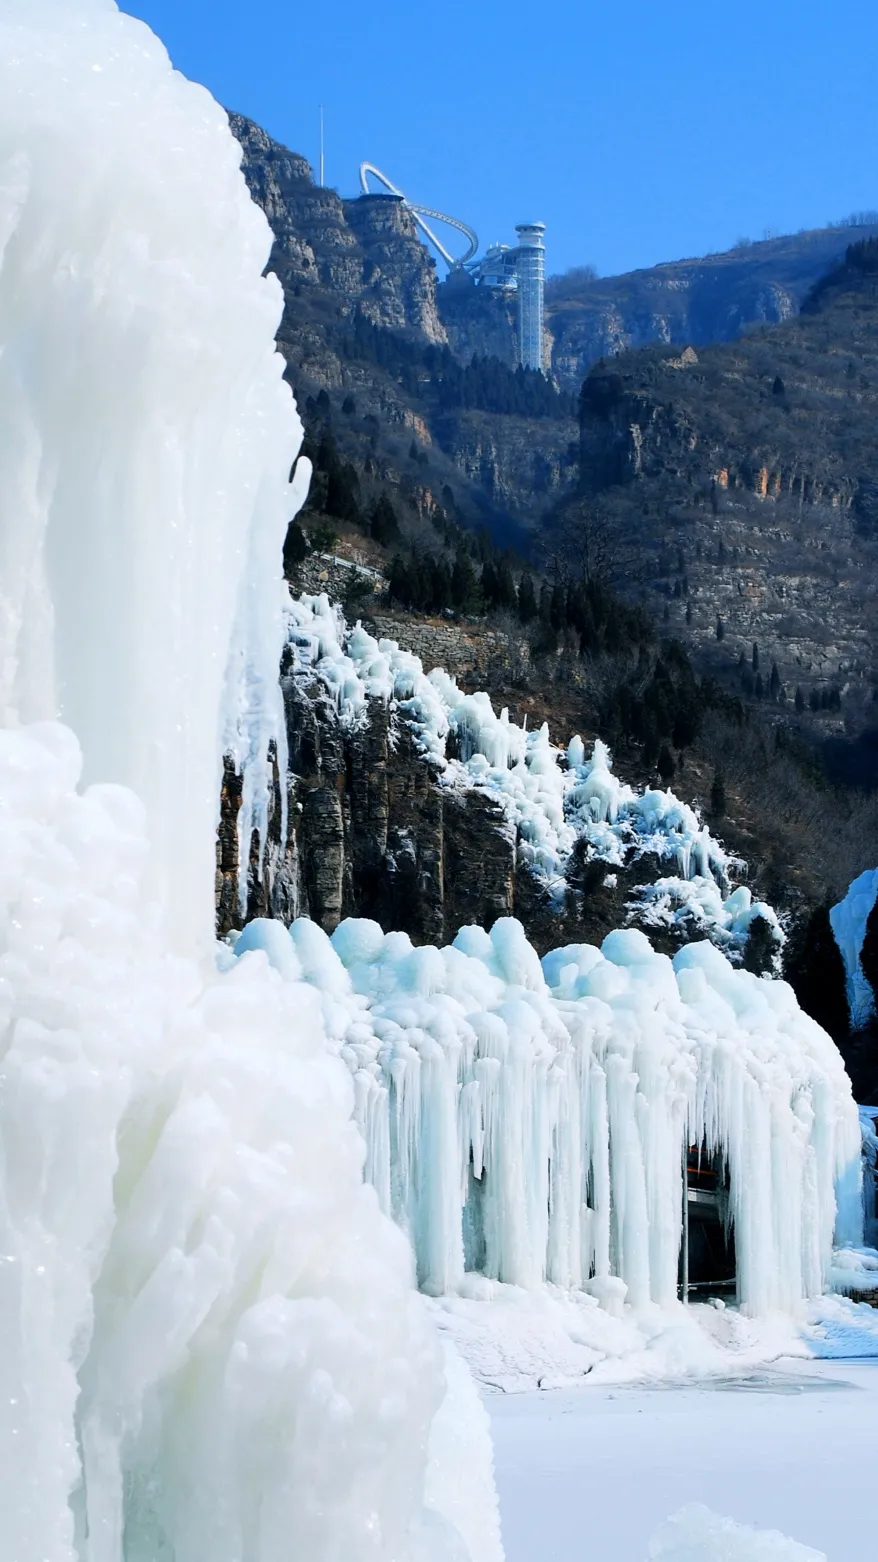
column 638, row 130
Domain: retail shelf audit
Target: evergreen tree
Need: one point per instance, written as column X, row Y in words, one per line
column 800, row 701
column 295, row 547
column 527, row 600
column 774, row 682
column 490, row 585
column 341, row 494
column 754, row 660
column 464, row 588
column 666, row 766
column 689, row 611
column 720, row 629
column 399, row 581
column 814, row 700
column 440, row 596
column 507, row 596
column 760, row 948
column 384, row 525
column 718, row 795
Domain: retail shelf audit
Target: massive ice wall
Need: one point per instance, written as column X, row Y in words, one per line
column 146, row 436
column 210, row 1344
column 527, row 1120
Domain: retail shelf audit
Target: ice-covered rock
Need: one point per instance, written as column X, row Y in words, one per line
column 554, row 800
column 695, row 1534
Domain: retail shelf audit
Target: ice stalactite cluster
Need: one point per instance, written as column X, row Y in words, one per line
column 552, row 797
column 848, row 920
column 210, row 1342
column 526, row 1120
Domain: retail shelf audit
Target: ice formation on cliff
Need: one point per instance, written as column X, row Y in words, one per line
column 210, row 1343
column 848, row 920
column 526, row 1120
column 551, row 797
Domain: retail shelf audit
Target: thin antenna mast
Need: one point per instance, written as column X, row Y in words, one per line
column 321, row 146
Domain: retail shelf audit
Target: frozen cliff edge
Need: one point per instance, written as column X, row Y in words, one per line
column 553, row 801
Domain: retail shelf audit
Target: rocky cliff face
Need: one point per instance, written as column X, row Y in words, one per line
column 365, row 253
column 477, row 321
column 747, row 475
column 520, row 468
column 371, row 833
column 343, row 262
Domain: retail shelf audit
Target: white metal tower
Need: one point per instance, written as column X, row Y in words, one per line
column 530, row 271
column 503, row 268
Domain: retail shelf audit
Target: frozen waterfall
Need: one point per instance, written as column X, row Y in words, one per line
column 527, row 1120
column 210, row 1344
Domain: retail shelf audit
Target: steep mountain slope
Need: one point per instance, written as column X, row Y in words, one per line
column 366, row 324
column 714, row 299
column 748, row 474
column 361, row 325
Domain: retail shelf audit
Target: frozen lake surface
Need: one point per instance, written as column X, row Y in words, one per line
column 588, row 1474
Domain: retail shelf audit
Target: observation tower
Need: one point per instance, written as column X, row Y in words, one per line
column 531, row 274
column 503, row 268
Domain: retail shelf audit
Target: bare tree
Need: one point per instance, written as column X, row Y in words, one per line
column 590, row 544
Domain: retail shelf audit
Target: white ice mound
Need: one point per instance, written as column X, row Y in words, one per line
column 146, row 434
column 210, row 1335
column 528, row 1121
column 552, row 798
column 695, row 1534
column 210, row 1344
column 848, row 920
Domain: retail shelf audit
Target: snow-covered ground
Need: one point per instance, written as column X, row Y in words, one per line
column 590, row 1474
column 515, row 1340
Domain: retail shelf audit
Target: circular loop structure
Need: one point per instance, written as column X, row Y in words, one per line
column 419, row 213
